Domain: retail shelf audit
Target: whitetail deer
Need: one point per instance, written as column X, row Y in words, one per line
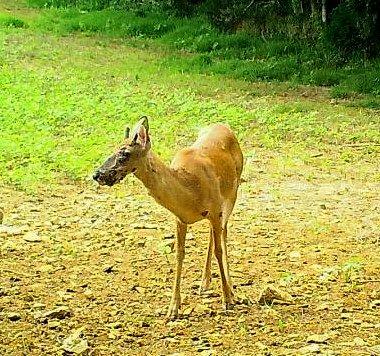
column 201, row 183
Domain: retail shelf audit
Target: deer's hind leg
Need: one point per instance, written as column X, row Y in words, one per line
column 206, row 275
column 225, row 255
column 218, row 250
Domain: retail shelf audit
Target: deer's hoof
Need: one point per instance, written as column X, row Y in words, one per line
column 205, row 286
column 229, row 305
column 172, row 313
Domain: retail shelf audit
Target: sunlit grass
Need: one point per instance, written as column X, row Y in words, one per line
column 65, row 101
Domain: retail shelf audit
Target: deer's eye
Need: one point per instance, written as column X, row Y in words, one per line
column 123, row 156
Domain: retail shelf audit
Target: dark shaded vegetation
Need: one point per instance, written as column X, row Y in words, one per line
column 324, row 43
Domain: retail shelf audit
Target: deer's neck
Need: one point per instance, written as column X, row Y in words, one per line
column 171, row 188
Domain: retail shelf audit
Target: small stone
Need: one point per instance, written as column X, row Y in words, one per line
column 294, row 256
column 313, row 348
column 367, row 325
column 45, row 268
column 53, row 324
column 32, row 236
column 64, row 295
column 201, row 309
column 14, row 316
column 375, row 304
column 359, row 341
column 260, row 345
column 147, row 226
column 318, row 339
column 116, row 325
column 141, row 243
column 140, row 290
column 375, row 350
column 89, row 294
column 271, row 295
column 345, row 316
column 57, row 313
column 11, row 230
column 76, row 343
column 205, row 352
column 108, row 269
column 323, row 306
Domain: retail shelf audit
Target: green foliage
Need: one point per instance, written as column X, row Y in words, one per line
column 241, row 55
column 352, row 29
column 63, row 99
column 12, row 22
column 59, row 124
column 352, row 269
column 109, row 21
column 94, row 5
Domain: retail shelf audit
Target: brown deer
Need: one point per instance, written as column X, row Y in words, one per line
column 201, row 183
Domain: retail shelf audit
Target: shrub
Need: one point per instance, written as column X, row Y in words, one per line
column 13, row 22
column 354, row 27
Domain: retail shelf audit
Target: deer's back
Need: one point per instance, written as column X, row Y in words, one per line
column 215, row 160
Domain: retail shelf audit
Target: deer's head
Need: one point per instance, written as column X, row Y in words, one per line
column 127, row 159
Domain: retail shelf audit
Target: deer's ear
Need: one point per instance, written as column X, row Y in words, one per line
column 140, row 132
column 144, row 122
column 142, row 137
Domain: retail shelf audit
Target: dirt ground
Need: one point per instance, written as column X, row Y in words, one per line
column 88, row 270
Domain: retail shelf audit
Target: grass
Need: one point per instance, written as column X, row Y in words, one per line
column 65, row 99
column 240, row 55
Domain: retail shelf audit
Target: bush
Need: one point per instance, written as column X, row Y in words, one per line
column 354, row 28
column 141, row 6
column 12, row 22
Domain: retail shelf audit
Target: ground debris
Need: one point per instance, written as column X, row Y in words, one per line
column 61, row 312
column 318, row 338
column 144, row 226
column 271, row 295
column 32, row 236
column 75, row 343
column 13, row 316
column 309, row 349
column 109, row 269
column 375, row 350
column 8, row 230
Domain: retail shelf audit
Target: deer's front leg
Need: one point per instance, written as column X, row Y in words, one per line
column 176, row 296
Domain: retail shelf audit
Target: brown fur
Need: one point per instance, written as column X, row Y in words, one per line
column 201, row 183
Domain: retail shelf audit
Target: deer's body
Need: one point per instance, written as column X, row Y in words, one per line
column 201, row 183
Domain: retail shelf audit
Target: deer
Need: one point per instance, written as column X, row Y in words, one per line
column 200, row 183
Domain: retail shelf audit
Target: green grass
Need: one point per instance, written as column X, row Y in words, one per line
column 241, row 55
column 65, row 100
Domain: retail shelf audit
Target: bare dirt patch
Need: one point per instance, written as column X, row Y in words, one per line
column 90, row 270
